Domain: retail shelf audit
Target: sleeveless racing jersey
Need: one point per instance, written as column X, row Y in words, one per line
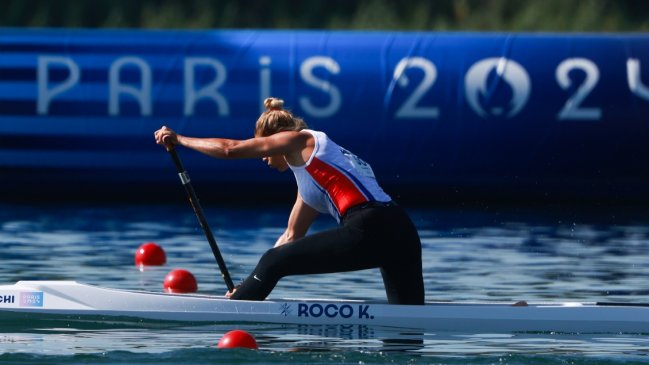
column 334, row 179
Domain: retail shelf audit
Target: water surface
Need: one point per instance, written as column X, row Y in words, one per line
column 469, row 254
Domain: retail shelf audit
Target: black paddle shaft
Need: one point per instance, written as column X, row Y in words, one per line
column 184, row 178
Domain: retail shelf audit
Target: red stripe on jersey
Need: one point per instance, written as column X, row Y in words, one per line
column 341, row 189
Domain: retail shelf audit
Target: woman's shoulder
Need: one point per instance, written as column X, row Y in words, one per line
column 297, row 138
column 314, row 132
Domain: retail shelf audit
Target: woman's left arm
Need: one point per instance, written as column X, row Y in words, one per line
column 301, row 218
column 258, row 147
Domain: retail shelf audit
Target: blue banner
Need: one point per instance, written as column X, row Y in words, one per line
column 427, row 110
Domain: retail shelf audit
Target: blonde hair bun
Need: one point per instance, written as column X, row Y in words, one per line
column 277, row 119
column 273, row 104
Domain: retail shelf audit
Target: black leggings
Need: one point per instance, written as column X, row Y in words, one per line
column 370, row 237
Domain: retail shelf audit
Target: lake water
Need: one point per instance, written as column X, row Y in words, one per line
column 468, row 254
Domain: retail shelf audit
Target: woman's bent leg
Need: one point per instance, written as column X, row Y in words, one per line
column 337, row 250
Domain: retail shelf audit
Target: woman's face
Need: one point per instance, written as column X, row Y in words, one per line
column 277, row 162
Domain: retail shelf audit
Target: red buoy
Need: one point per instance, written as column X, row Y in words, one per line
column 150, row 254
column 180, row 281
column 237, row 338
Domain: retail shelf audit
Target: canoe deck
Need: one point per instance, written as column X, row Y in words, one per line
column 73, row 298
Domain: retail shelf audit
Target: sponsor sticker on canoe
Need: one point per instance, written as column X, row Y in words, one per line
column 31, row 299
column 15, row 299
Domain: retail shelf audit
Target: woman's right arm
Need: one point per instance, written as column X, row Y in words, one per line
column 279, row 143
column 301, row 218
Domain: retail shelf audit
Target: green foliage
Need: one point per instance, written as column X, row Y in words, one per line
column 476, row 15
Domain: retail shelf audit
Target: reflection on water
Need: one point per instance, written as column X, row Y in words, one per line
column 292, row 338
column 468, row 255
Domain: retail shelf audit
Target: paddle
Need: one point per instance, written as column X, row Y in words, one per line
column 184, row 178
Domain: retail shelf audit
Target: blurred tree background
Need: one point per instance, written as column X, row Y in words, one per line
column 477, row 15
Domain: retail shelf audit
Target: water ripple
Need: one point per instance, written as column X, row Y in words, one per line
column 467, row 256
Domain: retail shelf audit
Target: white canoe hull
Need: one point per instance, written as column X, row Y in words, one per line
column 74, row 299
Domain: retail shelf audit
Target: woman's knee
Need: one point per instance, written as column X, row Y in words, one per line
column 270, row 262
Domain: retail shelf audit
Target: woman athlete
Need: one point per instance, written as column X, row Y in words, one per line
column 373, row 233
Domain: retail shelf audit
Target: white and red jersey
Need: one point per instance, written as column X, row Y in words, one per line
column 334, row 180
